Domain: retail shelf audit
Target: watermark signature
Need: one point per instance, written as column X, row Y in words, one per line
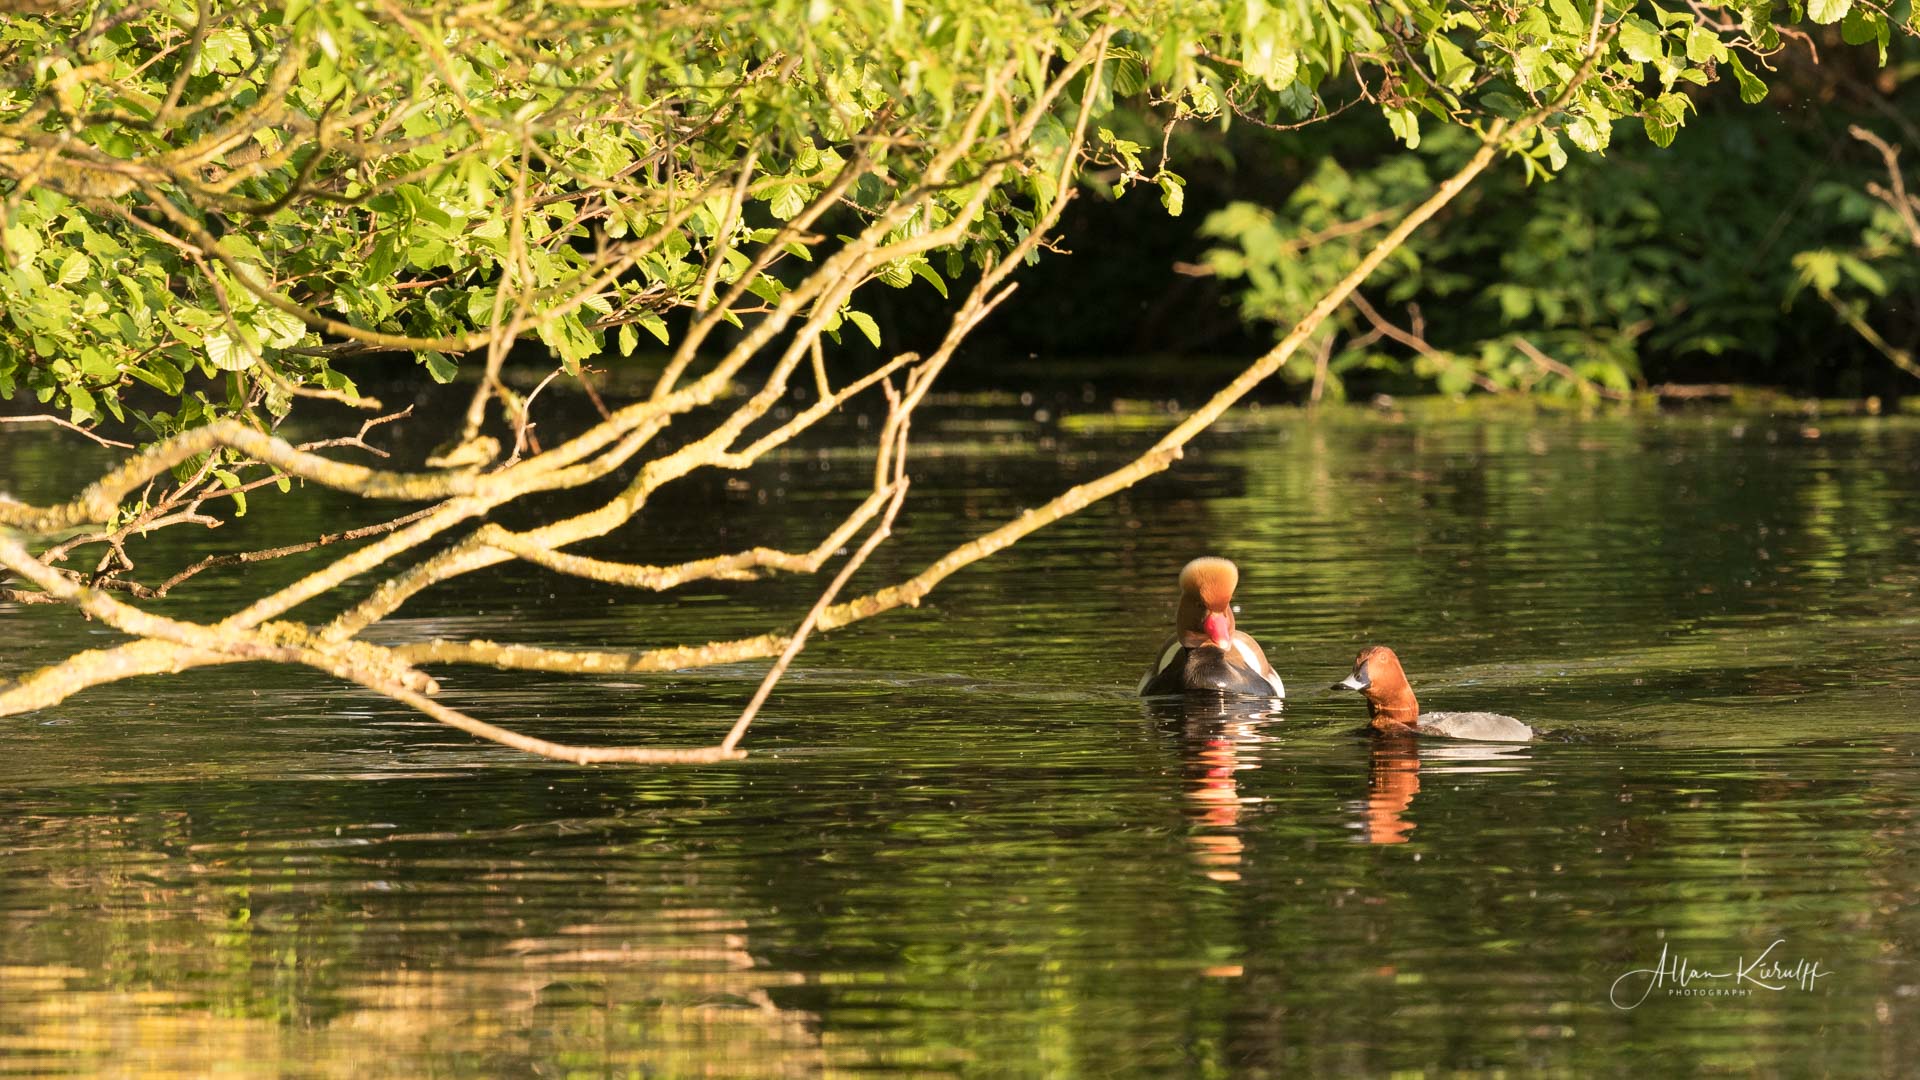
column 1679, row 978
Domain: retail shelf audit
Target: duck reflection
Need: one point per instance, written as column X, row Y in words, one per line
column 1393, row 778
column 1217, row 734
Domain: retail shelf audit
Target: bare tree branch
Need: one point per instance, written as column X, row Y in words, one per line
column 46, row 418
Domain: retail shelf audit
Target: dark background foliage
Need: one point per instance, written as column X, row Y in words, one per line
column 1675, row 264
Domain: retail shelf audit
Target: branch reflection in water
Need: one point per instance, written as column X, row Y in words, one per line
column 1218, row 733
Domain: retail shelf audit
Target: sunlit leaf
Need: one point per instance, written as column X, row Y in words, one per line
column 1828, row 11
column 869, row 328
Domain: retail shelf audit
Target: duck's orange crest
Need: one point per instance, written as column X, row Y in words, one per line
column 1212, row 579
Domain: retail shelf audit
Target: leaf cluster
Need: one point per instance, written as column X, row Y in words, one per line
column 212, row 203
column 1647, row 254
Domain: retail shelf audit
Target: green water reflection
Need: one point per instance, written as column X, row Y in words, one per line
column 961, row 845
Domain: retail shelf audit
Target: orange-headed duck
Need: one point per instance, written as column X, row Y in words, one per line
column 1205, row 651
column 1391, row 705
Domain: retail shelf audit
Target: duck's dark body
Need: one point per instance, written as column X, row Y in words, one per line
column 1208, row 668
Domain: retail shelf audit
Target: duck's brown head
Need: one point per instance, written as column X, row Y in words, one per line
column 1378, row 676
column 1206, row 602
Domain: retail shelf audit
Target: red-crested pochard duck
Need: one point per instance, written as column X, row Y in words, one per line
column 1391, row 706
column 1205, row 651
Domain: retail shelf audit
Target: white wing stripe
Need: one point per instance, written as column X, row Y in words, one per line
column 1259, row 665
column 1166, row 658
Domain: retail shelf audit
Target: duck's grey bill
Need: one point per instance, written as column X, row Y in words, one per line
column 1355, row 681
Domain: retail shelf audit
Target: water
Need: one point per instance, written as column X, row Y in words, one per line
column 961, row 845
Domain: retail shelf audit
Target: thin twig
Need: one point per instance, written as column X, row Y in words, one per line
column 359, row 439
column 1901, row 358
column 799, row 639
column 1548, row 363
column 523, row 418
column 1413, row 340
column 243, row 557
column 44, row 418
column 1902, row 204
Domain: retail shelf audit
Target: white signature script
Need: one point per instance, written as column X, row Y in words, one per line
column 1763, row 973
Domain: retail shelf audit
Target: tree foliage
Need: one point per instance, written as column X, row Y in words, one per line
column 1567, row 276
column 217, row 201
column 206, row 206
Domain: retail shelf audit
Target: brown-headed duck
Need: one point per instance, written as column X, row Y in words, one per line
column 1205, row 651
column 1391, row 706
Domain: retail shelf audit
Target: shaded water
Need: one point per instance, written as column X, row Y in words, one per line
column 962, row 845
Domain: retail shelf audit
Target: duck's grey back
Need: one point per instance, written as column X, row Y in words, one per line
column 1483, row 726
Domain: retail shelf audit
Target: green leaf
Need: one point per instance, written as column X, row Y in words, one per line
column 866, row 324
column 22, row 243
column 228, row 354
column 1704, row 45
column 438, row 365
column 1663, row 117
column 80, row 405
column 1865, row 274
column 1556, row 154
column 1568, row 18
column 283, row 330
column 389, row 250
column 241, row 246
column 1669, row 19
column 927, row 273
column 159, row 374
column 629, row 339
column 1454, row 379
column 655, row 325
column 1640, row 40
column 98, row 365
column 1530, row 68
column 787, row 201
column 766, row 287
column 1267, row 50
column 1405, row 126
column 1820, row 269
column 1752, row 90
column 1450, row 65
column 1828, row 11
column 1173, row 193
column 1863, row 25
column 73, row 269
column 423, row 206
column 232, row 483
column 1502, row 105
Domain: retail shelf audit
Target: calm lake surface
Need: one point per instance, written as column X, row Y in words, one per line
column 962, row 845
